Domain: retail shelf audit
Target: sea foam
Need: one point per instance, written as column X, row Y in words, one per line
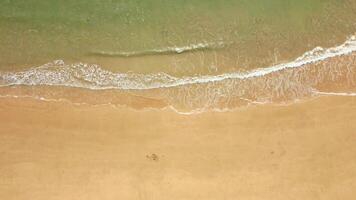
column 164, row 51
column 57, row 73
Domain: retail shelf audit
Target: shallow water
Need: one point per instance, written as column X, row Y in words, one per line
column 192, row 55
column 185, row 99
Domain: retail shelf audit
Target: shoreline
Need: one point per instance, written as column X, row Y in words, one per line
column 178, row 100
column 169, row 108
column 92, row 76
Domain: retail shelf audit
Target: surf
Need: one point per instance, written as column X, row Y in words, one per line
column 58, row 73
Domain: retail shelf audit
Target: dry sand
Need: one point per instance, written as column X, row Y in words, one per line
column 61, row 151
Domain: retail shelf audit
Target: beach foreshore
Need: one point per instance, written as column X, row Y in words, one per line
column 59, row 150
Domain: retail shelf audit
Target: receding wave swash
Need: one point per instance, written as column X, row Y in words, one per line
column 317, row 72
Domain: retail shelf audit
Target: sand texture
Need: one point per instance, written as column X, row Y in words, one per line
column 58, row 150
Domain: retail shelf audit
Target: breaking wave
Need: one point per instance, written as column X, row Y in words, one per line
column 164, row 51
column 318, row 72
column 58, row 73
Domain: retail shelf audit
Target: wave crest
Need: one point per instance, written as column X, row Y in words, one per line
column 164, row 51
column 317, row 72
column 93, row 77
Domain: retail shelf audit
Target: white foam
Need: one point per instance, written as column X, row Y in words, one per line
column 94, row 77
column 351, row 94
column 174, row 49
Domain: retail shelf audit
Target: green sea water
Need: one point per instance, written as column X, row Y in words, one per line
column 243, row 34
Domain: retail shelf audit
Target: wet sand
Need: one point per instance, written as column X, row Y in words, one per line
column 58, row 150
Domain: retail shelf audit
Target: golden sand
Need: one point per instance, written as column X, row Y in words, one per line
column 58, row 150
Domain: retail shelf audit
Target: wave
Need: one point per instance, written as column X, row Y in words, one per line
column 315, row 73
column 164, row 51
column 57, row 73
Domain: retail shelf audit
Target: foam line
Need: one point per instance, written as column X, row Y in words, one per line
column 164, row 51
column 94, row 77
column 352, row 94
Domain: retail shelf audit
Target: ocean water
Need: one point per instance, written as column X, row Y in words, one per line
column 188, row 55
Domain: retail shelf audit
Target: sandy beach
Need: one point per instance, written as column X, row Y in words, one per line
column 177, row 100
column 58, row 150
